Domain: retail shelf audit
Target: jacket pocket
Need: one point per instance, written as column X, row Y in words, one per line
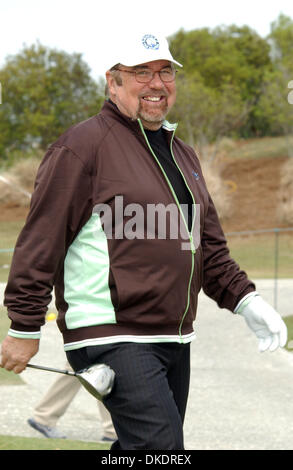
column 114, row 290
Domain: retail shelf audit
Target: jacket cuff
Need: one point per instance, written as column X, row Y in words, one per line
column 244, row 301
column 24, row 334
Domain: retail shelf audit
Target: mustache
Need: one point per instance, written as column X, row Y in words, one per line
column 156, row 93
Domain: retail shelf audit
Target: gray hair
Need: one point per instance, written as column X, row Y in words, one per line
column 117, row 77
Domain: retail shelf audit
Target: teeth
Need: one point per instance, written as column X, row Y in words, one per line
column 152, row 98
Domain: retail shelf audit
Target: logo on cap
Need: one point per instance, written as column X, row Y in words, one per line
column 150, row 42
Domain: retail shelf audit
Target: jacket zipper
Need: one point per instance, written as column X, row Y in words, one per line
column 192, row 247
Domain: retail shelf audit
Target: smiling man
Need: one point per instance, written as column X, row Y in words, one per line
column 146, row 91
column 129, row 302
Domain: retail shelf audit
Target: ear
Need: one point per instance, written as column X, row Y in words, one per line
column 111, row 82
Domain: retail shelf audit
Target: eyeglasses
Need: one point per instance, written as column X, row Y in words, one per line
column 146, row 75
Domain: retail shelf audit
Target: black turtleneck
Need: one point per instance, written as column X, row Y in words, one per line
column 159, row 144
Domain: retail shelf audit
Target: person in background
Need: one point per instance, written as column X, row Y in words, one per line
column 54, row 404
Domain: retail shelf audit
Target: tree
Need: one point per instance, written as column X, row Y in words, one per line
column 206, row 114
column 44, row 91
column 281, row 41
column 235, row 57
column 274, row 107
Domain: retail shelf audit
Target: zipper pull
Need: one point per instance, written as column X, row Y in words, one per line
column 192, row 247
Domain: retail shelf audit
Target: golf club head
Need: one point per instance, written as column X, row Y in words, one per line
column 98, row 380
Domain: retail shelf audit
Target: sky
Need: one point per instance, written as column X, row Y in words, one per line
column 92, row 27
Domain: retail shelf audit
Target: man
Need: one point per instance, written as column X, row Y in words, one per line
column 125, row 293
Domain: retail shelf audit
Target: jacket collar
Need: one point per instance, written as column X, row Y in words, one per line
column 110, row 110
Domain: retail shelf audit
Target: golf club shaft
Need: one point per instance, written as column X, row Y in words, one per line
column 51, row 369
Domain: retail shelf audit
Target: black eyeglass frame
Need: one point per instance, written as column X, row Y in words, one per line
column 136, row 72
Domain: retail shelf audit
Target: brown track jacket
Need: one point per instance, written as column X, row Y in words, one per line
column 94, row 233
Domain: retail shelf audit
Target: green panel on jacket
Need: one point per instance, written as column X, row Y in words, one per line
column 86, row 273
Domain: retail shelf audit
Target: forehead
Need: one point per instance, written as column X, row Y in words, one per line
column 154, row 65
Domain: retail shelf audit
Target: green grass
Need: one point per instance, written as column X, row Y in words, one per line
column 27, row 443
column 256, row 254
column 260, row 148
column 9, row 232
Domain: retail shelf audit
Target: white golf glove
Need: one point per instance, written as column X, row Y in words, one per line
column 264, row 321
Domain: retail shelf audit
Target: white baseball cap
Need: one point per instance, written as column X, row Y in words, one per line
column 140, row 48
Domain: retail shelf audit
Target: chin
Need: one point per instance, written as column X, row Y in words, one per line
column 153, row 118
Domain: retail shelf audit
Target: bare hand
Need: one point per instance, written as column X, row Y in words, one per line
column 16, row 353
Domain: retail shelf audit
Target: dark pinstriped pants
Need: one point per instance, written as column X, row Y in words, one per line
column 149, row 398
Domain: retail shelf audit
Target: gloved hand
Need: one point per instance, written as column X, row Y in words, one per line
column 264, row 321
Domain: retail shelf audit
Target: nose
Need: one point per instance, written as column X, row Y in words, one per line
column 156, row 81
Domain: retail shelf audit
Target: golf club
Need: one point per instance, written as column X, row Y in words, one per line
column 97, row 379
